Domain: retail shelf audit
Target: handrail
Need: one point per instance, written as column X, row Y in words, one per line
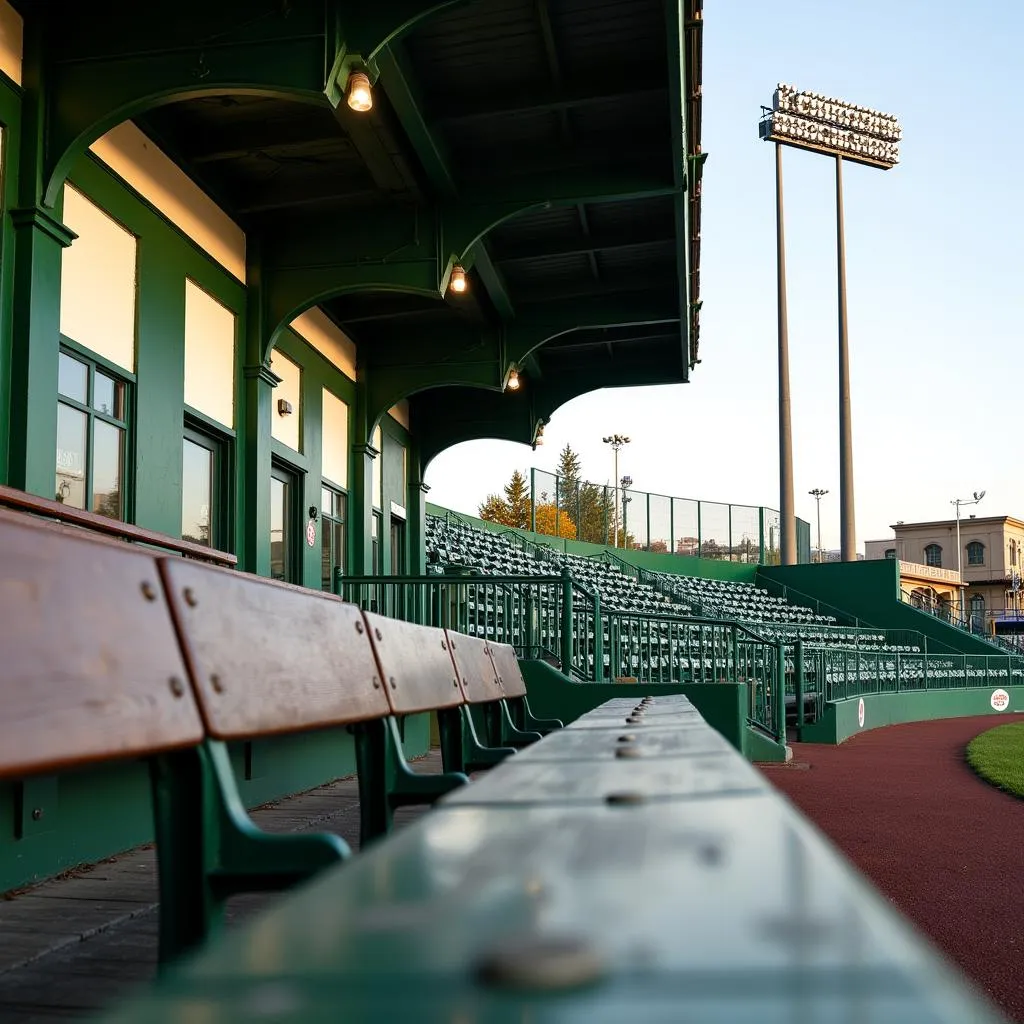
column 12, row 498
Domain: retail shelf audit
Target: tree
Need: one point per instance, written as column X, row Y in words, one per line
column 517, row 496
column 548, row 516
column 494, row 509
column 569, row 482
column 659, row 547
column 513, row 509
column 595, row 514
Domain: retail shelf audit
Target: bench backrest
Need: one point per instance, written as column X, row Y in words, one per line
column 510, row 676
column 91, row 669
column 474, row 668
column 267, row 657
column 415, row 664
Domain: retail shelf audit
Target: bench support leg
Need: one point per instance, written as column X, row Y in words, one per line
column 208, row 847
column 475, row 754
column 502, row 730
column 519, row 712
column 386, row 780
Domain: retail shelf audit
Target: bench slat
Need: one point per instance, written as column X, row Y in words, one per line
column 270, row 658
column 474, row 667
column 415, row 663
column 91, row 668
column 509, row 674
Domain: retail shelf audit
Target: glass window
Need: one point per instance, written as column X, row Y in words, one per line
column 209, row 355
column 375, row 544
column 332, row 515
column 933, row 555
column 283, row 489
column 196, row 492
column 92, row 433
column 890, row 552
column 378, row 467
column 975, row 553
column 977, row 603
column 98, row 282
column 334, row 458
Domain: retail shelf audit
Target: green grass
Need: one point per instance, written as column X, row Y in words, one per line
column 998, row 757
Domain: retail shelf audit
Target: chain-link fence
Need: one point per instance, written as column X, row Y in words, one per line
column 638, row 520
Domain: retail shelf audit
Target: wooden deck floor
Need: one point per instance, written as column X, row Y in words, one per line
column 75, row 945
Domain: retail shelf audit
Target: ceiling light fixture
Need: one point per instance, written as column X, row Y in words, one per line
column 360, row 97
column 458, row 282
column 512, row 384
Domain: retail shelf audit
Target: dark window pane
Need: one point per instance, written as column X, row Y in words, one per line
column 108, row 395
column 196, row 492
column 72, row 378
column 278, row 529
column 71, row 434
column 107, row 471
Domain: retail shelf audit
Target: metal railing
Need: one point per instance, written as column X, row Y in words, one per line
column 558, row 619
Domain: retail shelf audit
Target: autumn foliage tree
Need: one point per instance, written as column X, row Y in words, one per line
column 511, row 510
column 555, row 522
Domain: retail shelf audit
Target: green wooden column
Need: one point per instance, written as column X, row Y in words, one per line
column 253, row 448
column 39, row 239
column 360, row 495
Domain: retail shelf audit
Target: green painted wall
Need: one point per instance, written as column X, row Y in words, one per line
column 869, row 591
column 723, row 705
column 840, row 719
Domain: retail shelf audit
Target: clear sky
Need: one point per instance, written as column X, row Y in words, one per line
column 934, row 268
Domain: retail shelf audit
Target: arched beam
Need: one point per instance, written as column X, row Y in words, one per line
column 101, row 71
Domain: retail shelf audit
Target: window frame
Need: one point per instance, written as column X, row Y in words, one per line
column 292, row 477
column 95, row 363
column 975, row 546
column 221, row 499
column 937, row 548
column 331, row 517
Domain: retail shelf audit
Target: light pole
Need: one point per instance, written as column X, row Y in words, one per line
column 845, row 131
column 957, row 502
column 818, row 494
column 616, row 441
column 626, row 482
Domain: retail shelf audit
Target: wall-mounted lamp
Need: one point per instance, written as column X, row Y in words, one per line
column 284, row 407
column 360, row 97
column 458, row 282
column 512, row 384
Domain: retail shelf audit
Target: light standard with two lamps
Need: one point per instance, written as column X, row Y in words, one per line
column 957, row 502
column 616, row 441
column 818, row 493
column 846, row 132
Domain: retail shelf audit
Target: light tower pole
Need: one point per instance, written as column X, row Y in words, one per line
column 818, row 494
column 844, row 131
column 616, row 441
column 956, row 503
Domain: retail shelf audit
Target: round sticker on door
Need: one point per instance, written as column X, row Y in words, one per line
column 311, row 532
column 1000, row 700
column 860, row 713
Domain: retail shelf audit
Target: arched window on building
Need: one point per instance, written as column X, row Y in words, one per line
column 933, row 555
column 975, row 553
column 1013, row 552
column 890, row 552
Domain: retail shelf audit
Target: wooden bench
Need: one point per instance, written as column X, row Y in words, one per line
column 483, row 692
column 510, row 677
column 170, row 660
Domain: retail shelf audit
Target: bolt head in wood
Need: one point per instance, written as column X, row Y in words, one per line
column 148, row 591
column 177, row 687
column 547, row 963
column 190, row 597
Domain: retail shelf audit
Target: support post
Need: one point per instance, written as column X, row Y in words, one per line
column 565, row 645
column 848, row 532
column 598, row 640
column 787, row 502
column 798, row 679
column 780, row 693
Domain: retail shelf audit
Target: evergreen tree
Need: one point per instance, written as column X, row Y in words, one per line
column 517, row 497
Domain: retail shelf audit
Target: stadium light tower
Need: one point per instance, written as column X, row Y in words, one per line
column 845, row 131
column 818, row 494
column 616, row 441
column 957, row 502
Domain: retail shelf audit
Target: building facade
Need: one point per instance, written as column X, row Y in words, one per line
column 991, row 557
